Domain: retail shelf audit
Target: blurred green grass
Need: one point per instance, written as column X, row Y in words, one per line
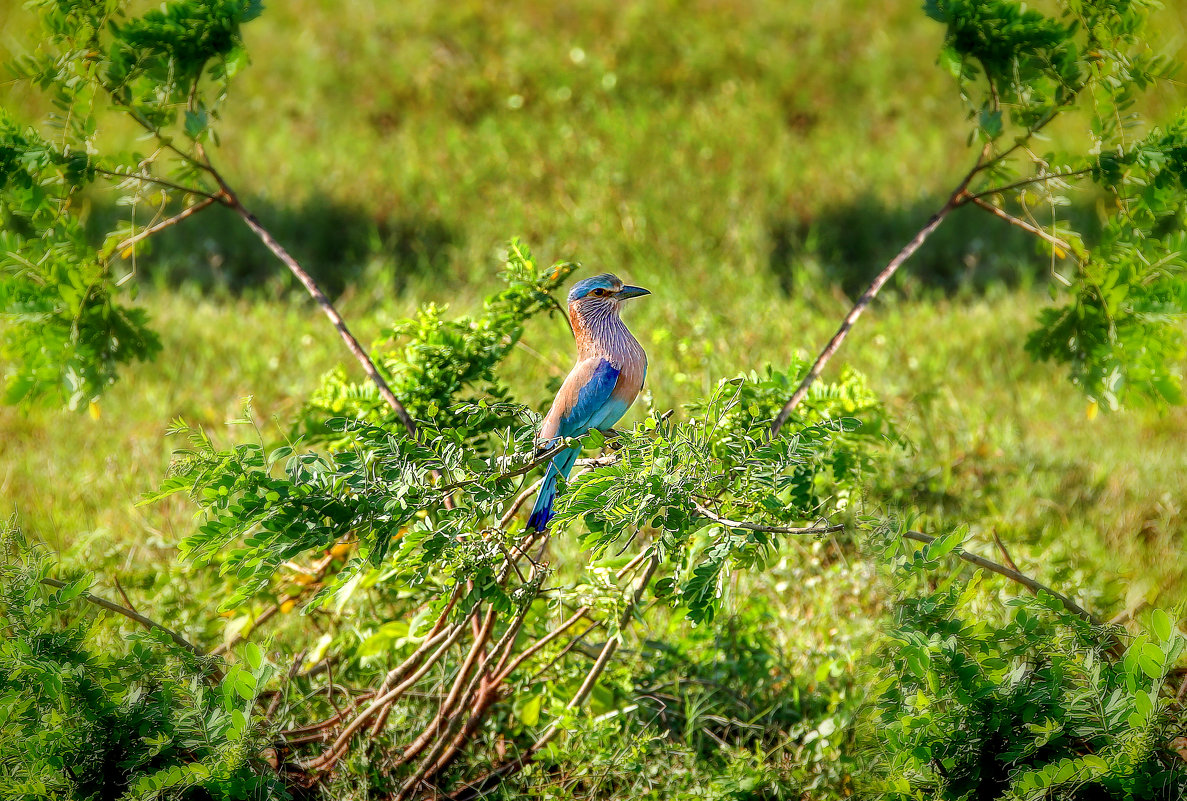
column 747, row 161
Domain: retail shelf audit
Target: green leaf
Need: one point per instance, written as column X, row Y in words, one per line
column 195, row 123
column 245, row 685
column 1150, row 659
column 991, row 123
column 1143, row 703
column 944, row 544
column 238, row 722
column 73, row 589
column 254, row 656
column 951, row 61
column 1160, row 621
column 527, row 710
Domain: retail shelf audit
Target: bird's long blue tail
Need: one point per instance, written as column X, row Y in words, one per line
column 560, row 465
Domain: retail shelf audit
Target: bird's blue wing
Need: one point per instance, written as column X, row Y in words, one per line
column 593, row 400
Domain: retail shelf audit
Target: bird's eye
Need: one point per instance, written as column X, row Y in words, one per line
column 599, row 292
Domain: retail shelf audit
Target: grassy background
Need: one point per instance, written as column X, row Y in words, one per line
column 753, row 163
column 750, row 162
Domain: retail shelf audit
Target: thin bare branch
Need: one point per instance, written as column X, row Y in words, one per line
column 485, row 784
column 872, row 290
column 120, row 589
column 518, row 502
column 1020, row 223
column 327, row 307
column 502, row 673
column 1034, row 179
column 1001, row 548
column 704, row 511
column 148, row 623
column 152, row 179
column 1013, row 575
column 327, row 760
column 174, row 220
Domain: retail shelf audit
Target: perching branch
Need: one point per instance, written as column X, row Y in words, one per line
column 538, row 459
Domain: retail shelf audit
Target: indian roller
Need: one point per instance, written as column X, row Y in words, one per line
column 609, row 373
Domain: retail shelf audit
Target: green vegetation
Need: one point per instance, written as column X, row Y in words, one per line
column 748, row 163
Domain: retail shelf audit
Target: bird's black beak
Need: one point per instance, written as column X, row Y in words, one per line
column 628, row 292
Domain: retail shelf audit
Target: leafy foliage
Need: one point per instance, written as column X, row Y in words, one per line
column 65, row 331
column 387, row 494
column 1018, row 69
column 64, row 334
column 438, row 367
column 1123, row 330
column 413, row 522
column 82, row 720
column 663, row 474
column 416, row 521
column 1021, row 700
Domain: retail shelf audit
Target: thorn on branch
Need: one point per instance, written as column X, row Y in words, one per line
column 1020, row 223
column 174, row 220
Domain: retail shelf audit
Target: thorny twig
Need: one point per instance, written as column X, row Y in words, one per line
column 174, row 220
column 1023, row 224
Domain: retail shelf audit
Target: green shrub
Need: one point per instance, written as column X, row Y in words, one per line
column 84, row 716
column 1021, row 700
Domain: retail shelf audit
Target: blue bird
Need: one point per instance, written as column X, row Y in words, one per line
column 609, row 373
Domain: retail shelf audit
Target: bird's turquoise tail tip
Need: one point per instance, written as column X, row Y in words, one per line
column 542, row 512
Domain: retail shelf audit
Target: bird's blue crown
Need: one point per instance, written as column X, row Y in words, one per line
column 587, row 285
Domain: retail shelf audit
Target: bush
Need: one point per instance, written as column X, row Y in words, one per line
column 1021, row 700
column 86, row 716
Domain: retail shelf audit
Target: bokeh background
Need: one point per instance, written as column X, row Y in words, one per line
column 753, row 163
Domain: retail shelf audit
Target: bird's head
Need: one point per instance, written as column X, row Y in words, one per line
column 601, row 293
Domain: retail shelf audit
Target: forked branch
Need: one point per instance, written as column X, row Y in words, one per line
column 959, row 197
